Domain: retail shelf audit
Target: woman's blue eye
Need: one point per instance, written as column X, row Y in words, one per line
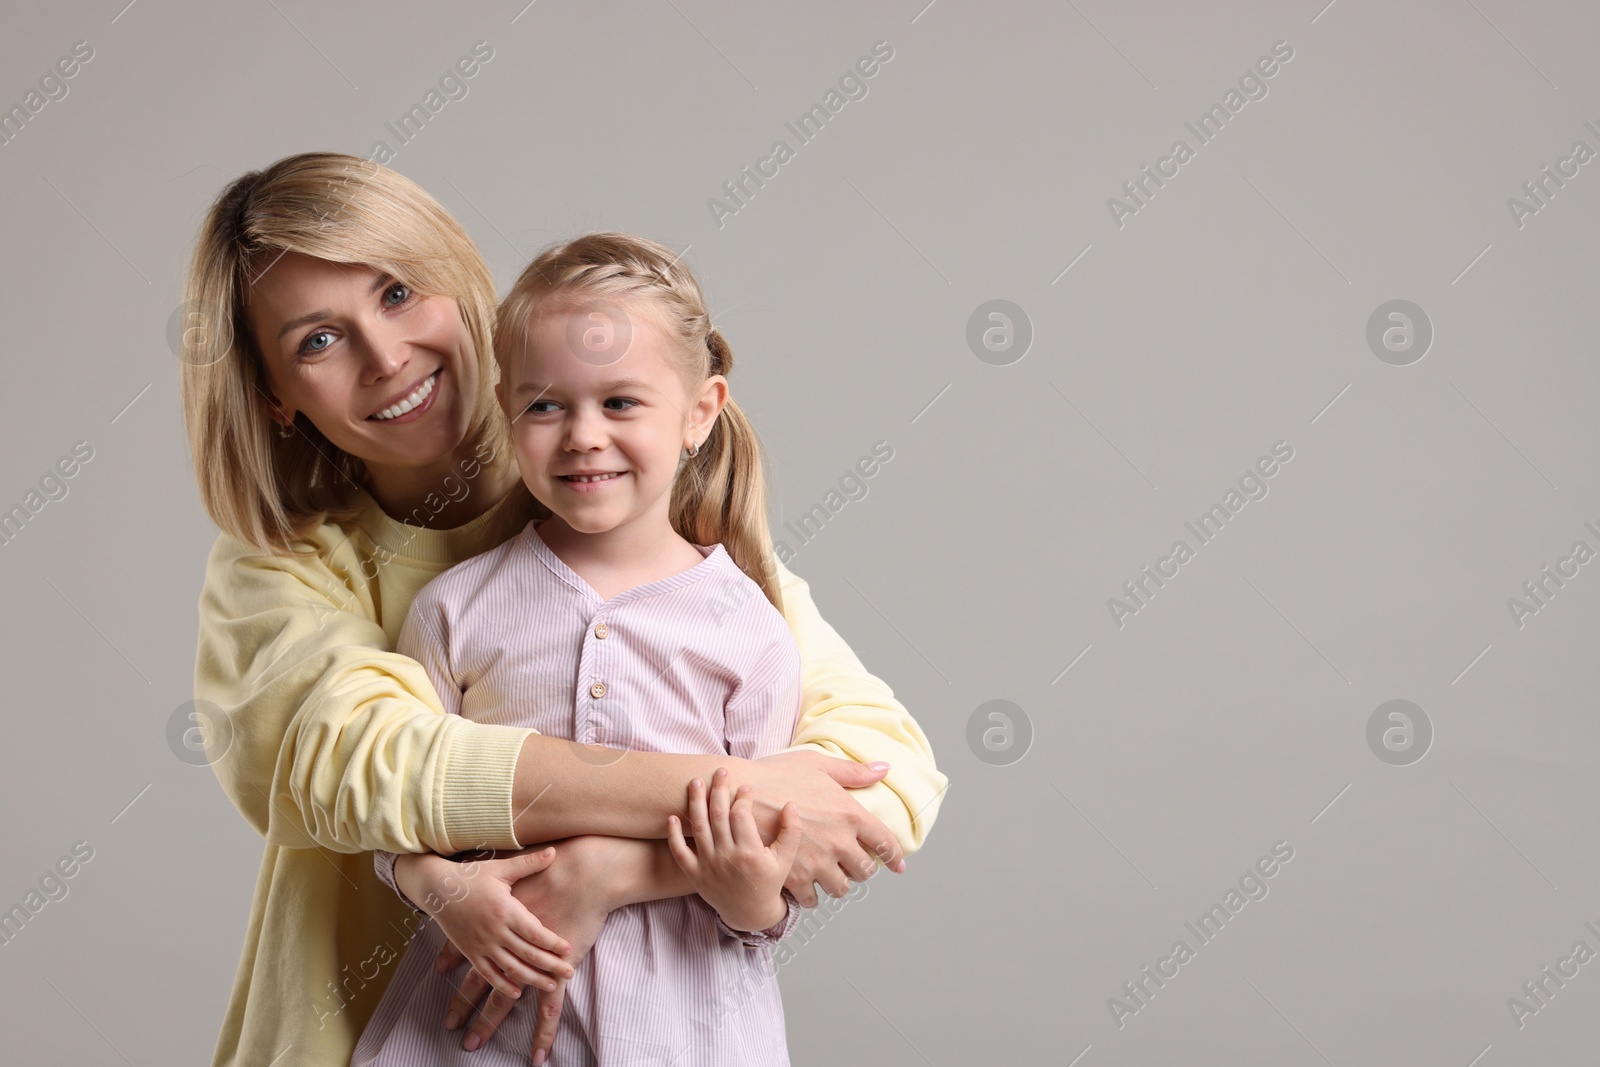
column 310, row 344
column 402, row 289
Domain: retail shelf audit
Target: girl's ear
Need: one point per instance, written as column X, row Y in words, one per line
column 708, row 404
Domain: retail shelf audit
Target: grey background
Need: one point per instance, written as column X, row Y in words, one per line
column 1228, row 314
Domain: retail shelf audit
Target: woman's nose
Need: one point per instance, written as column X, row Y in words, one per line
column 384, row 357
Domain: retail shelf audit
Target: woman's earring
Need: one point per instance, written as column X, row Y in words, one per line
column 694, row 450
column 285, row 430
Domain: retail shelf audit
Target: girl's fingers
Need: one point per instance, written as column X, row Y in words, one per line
column 490, row 969
column 549, row 966
column 687, row 860
column 789, row 834
column 527, row 926
column 699, row 821
column 515, row 868
column 519, row 972
column 717, row 809
column 742, row 821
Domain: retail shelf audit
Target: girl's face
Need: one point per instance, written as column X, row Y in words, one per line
column 599, row 442
column 384, row 372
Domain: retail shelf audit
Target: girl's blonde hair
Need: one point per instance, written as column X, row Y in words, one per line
column 720, row 493
column 265, row 489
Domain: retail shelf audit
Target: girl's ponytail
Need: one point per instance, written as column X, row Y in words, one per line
column 720, row 494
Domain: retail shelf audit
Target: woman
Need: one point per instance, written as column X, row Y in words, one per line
column 338, row 393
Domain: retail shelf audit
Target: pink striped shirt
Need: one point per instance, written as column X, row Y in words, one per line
column 697, row 662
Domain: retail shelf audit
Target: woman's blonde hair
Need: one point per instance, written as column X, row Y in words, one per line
column 720, row 493
column 263, row 488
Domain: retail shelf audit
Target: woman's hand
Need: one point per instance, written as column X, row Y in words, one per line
column 729, row 866
column 473, row 904
column 841, row 837
column 573, row 895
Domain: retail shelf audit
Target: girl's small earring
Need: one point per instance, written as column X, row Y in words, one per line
column 694, row 450
column 285, row 430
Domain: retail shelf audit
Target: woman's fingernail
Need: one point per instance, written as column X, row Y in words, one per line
column 538, row 1058
column 473, row 1041
column 878, row 766
column 452, row 1021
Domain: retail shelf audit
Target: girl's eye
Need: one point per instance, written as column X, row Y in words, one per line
column 620, row 403
column 316, row 341
column 397, row 294
column 540, row 407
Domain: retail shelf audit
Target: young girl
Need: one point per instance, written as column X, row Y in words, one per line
column 642, row 615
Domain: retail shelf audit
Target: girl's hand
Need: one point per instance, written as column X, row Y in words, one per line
column 573, row 894
column 473, row 904
column 841, row 837
column 730, row 867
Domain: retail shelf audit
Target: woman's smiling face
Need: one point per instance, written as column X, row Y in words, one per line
column 384, row 372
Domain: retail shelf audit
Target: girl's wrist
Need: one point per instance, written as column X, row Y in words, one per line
column 758, row 919
column 412, row 877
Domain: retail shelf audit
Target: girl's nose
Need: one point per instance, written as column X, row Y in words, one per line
column 585, row 430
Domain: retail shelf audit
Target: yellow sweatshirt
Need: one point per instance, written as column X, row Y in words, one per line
column 334, row 745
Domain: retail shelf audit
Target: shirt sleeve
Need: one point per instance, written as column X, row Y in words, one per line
column 772, row 934
column 847, row 712
column 383, row 864
column 760, row 714
column 330, row 738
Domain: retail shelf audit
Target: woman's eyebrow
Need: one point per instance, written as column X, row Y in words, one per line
column 324, row 313
column 304, row 320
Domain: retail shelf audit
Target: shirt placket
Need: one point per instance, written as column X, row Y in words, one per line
column 592, row 723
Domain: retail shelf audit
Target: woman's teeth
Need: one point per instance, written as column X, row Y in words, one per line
column 418, row 395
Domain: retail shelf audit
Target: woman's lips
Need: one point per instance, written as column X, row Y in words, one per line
column 421, row 399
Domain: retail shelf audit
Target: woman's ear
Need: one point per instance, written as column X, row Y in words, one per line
column 276, row 411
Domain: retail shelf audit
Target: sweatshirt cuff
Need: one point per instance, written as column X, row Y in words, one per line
column 474, row 794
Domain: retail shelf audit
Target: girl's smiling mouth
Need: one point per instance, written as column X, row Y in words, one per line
column 413, row 404
column 589, row 481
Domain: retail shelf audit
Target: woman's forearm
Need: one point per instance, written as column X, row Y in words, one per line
column 563, row 789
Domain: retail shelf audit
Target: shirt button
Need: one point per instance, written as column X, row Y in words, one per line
column 597, row 690
column 600, row 631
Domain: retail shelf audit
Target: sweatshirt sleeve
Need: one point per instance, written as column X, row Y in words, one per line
column 846, row 711
column 334, row 739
